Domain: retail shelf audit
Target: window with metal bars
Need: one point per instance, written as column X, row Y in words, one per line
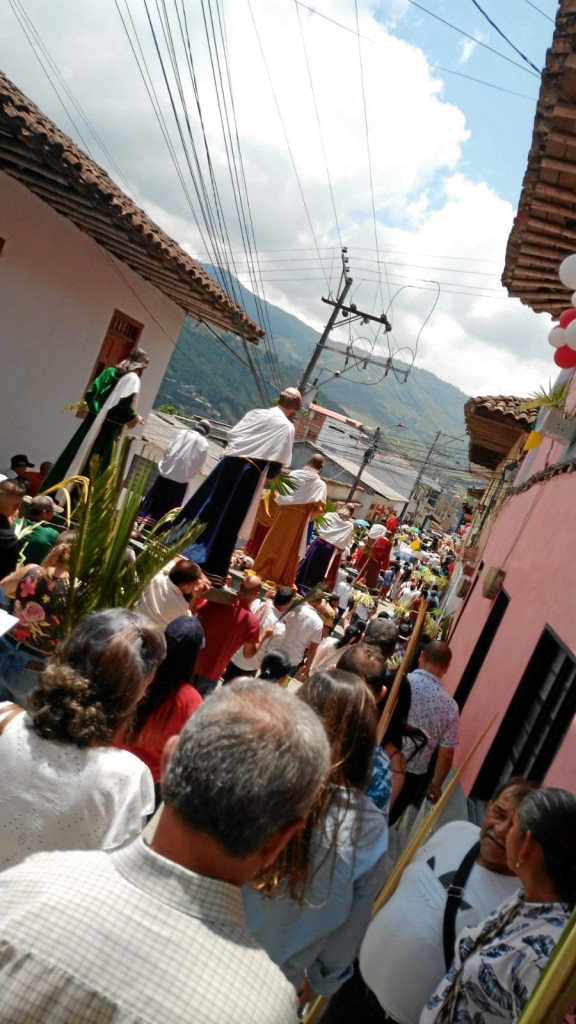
column 537, row 719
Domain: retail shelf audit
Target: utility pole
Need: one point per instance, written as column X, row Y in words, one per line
column 421, row 473
column 368, row 456
column 349, row 315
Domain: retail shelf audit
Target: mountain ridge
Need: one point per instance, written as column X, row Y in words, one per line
column 203, row 375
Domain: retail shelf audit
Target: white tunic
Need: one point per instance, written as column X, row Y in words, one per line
column 309, row 490
column 184, row 457
column 57, row 796
column 336, row 531
column 262, row 434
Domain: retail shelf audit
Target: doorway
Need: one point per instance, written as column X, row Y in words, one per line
column 483, row 644
column 537, row 719
column 121, row 337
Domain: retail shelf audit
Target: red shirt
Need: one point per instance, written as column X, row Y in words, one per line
column 392, row 524
column 151, row 740
column 226, row 627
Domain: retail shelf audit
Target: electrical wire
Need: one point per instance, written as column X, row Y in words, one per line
column 285, row 133
column 213, row 220
column 318, row 122
column 438, row 67
column 505, row 37
column 252, row 246
column 231, row 159
column 67, row 90
column 474, row 39
column 543, row 13
column 364, row 248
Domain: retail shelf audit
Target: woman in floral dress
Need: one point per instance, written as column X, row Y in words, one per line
column 39, row 593
column 498, row 963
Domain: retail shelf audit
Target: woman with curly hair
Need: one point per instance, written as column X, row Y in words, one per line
column 314, row 904
column 65, row 786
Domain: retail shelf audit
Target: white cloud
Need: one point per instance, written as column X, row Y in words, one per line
column 426, row 200
column 467, row 47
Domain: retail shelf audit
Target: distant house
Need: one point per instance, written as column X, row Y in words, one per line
column 85, row 276
column 339, row 474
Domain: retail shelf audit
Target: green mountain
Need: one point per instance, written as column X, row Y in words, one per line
column 204, row 376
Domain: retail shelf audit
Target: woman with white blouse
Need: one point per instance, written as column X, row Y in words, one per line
column 64, row 785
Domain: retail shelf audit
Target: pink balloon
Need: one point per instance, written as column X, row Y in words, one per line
column 565, row 357
column 567, row 317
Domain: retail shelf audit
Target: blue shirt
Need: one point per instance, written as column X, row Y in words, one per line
column 322, row 935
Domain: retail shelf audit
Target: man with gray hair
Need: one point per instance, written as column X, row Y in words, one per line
column 157, row 933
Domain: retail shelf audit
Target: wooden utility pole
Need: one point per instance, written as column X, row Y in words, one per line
column 368, row 456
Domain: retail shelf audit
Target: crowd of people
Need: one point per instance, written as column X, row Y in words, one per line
column 245, row 724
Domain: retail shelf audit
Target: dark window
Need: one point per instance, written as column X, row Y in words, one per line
column 483, row 644
column 537, row 719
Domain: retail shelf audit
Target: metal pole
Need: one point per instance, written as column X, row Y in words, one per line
column 420, row 473
column 368, row 456
column 326, row 332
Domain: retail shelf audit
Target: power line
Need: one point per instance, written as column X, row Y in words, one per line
column 251, row 232
column 505, row 37
column 365, row 259
column 438, row 67
column 285, row 133
column 368, row 150
column 474, row 39
column 318, row 122
column 364, row 248
column 64, row 85
column 543, row 13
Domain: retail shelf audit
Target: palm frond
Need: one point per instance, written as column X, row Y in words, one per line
column 551, row 398
column 283, row 484
column 100, row 575
column 320, row 519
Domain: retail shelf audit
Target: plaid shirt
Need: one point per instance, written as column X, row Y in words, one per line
column 133, row 938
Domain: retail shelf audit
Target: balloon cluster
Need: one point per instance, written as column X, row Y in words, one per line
column 563, row 337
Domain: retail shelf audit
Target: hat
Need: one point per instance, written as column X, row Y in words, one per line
column 21, row 460
column 43, row 503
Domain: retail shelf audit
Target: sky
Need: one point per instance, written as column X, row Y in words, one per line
column 372, row 142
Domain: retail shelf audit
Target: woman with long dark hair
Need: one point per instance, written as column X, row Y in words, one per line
column 275, row 667
column 314, row 906
column 170, row 699
column 498, row 963
column 330, row 649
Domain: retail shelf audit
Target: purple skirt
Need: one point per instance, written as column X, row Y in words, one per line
column 314, row 565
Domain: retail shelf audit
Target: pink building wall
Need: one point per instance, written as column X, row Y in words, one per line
column 534, row 541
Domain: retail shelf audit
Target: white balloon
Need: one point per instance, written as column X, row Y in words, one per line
column 573, row 299
column 570, row 335
column 557, row 337
column 567, row 271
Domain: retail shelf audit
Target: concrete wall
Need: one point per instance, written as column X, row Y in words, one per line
column 533, row 540
column 58, row 291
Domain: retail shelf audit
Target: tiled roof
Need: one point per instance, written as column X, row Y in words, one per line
column 335, row 415
column 494, row 425
column 544, row 230
column 35, row 152
column 506, row 405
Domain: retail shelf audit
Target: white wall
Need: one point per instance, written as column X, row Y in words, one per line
column 58, row 291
